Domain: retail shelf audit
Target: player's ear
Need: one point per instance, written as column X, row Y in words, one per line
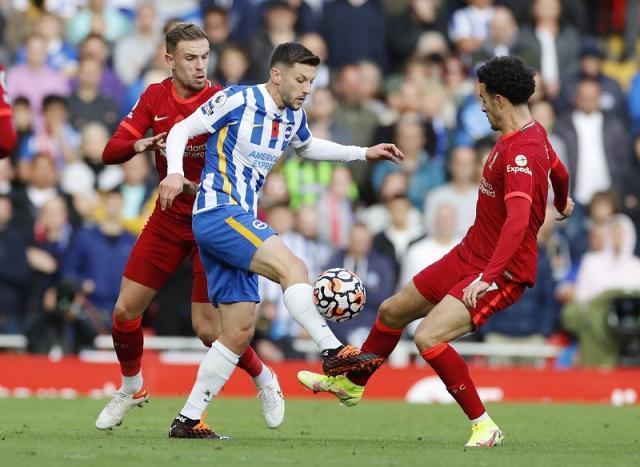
column 169, row 59
column 275, row 75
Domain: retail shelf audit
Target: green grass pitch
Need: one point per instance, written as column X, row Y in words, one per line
column 317, row 432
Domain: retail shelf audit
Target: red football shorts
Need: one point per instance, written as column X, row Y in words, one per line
column 451, row 274
column 159, row 251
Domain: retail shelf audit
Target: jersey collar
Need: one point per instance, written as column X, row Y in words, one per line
column 191, row 99
column 515, row 132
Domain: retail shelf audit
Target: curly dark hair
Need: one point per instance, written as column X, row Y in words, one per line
column 509, row 77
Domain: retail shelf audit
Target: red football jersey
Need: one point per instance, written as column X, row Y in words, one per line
column 518, row 165
column 159, row 108
column 8, row 136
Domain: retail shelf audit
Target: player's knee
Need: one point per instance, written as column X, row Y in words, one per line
column 207, row 339
column 124, row 312
column 295, row 271
column 391, row 315
column 425, row 338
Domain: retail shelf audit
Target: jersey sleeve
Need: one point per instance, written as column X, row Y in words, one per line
column 517, row 171
column 140, row 118
column 218, row 111
column 8, row 137
column 303, row 135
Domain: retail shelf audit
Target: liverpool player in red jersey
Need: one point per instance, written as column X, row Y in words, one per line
column 8, row 138
column 167, row 237
column 490, row 268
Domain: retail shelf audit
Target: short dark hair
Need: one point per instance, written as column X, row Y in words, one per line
column 183, row 32
column 509, row 77
column 291, row 53
column 53, row 99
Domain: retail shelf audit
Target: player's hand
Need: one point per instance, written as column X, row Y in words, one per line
column 568, row 210
column 386, row 152
column 473, row 293
column 170, row 187
column 189, row 187
column 149, row 144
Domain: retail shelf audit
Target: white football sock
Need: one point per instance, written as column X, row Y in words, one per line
column 298, row 299
column 131, row 384
column 215, row 370
column 264, row 377
column 481, row 418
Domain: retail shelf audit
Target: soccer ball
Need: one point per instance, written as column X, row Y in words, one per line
column 338, row 294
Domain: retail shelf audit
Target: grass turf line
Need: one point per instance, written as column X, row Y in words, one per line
column 43, row 433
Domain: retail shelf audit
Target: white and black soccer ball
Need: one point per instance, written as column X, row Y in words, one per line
column 339, row 294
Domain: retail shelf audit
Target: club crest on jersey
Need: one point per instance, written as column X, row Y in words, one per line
column 521, row 160
column 288, row 131
column 259, row 225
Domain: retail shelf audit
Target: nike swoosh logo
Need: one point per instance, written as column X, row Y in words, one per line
column 234, row 122
column 157, row 119
column 256, row 126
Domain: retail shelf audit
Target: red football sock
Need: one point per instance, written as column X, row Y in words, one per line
column 381, row 341
column 250, row 362
column 128, row 342
column 454, row 372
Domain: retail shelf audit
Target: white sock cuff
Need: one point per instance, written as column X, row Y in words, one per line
column 295, row 290
column 230, row 356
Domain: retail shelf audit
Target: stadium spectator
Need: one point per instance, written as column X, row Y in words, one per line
column 554, row 47
column 393, row 241
column 14, row 271
column 43, row 326
column 423, row 171
column 233, row 65
column 377, row 273
column 612, row 97
column 143, row 40
column 86, row 103
column 279, row 21
column 405, row 29
column 94, row 140
column 376, row 216
column 461, row 192
column 354, row 30
column 34, row 79
column 23, row 118
column 469, row 26
column 335, row 209
column 138, row 192
column 154, row 72
column 503, row 38
column 430, row 248
column 315, row 42
column 61, row 55
column 544, row 113
column 94, row 263
column 603, row 275
column 96, row 47
column 97, row 18
column 595, row 142
column 216, row 24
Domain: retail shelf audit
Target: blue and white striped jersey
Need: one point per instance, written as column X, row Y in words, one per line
column 248, row 136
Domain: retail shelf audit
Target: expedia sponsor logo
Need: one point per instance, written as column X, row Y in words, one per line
column 486, row 188
column 515, row 170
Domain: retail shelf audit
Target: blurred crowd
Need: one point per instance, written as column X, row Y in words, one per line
column 393, row 70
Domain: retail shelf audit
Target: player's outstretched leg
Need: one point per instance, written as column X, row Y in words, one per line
column 128, row 342
column 394, row 314
column 205, row 320
column 237, row 324
column 449, row 320
column 275, row 261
